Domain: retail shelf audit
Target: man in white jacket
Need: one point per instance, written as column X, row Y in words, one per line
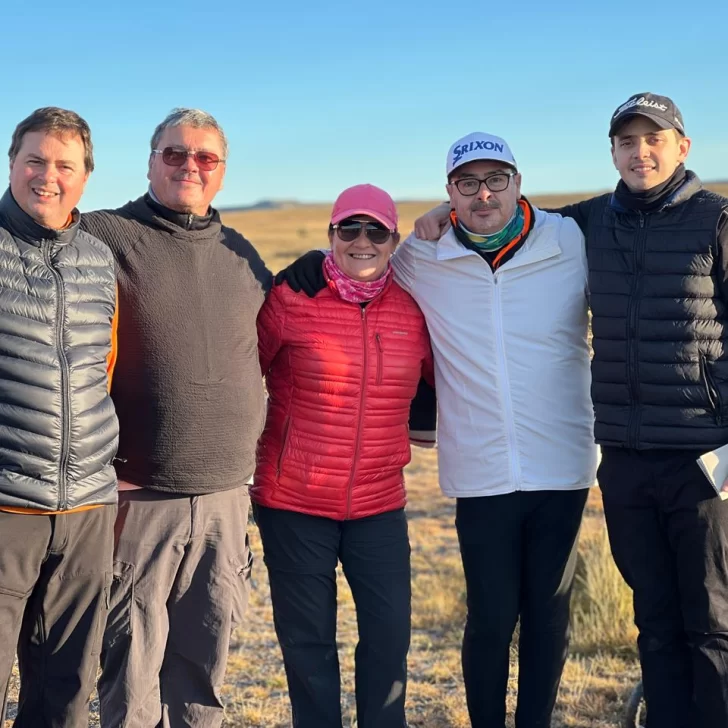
column 504, row 293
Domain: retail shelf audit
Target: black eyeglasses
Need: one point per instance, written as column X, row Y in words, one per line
column 349, row 230
column 469, row 186
column 206, row 161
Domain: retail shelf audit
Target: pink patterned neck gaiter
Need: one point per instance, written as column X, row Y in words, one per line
column 350, row 289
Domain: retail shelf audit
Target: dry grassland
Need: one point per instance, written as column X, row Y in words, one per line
column 602, row 666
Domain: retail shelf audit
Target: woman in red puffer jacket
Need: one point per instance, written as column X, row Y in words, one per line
column 341, row 371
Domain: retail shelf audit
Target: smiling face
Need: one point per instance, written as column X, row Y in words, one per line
column 187, row 188
column 361, row 259
column 48, row 176
column 486, row 212
column 646, row 155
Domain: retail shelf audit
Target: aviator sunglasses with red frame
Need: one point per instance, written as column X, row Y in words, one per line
column 206, row 161
column 349, row 230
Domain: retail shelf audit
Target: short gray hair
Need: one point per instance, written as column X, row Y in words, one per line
column 196, row 118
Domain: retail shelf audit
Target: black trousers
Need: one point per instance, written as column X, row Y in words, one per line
column 301, row 553
column 669, row 536
column 55, row 573
column 519, row 558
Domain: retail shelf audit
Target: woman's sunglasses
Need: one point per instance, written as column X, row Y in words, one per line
column 349, row 230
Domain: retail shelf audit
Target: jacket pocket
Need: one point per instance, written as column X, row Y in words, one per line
column 284, row 447
column 380, row 358
column 713, row 391
column 243, row 568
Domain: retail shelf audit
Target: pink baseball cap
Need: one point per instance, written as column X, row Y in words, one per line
column 365, row 200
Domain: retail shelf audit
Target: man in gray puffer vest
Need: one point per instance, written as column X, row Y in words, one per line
column 58, row 430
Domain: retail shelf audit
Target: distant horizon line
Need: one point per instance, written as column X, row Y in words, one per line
column 277, row 204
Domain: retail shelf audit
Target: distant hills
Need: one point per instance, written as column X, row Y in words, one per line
column 263, row 205
column 287, row 204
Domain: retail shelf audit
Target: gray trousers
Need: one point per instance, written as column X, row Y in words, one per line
column 55, row 573
column 181, row 581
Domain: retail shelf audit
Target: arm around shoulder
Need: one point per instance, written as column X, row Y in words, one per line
column 579, row 212
column 304, row 274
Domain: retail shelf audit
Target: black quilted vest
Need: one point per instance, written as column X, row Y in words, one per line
column 660, row 324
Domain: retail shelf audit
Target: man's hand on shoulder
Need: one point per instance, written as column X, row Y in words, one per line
column 304, row 274
column 433, row 224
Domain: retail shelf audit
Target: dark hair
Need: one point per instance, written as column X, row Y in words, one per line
column 51, row 119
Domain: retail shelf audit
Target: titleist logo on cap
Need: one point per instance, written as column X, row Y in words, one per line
column 660, row 109
column 641, row 101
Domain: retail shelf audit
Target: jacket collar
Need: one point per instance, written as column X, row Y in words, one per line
column 148, row 211
column 23, row 226
column 691, row 186
column 185, row 220
column 535, row 248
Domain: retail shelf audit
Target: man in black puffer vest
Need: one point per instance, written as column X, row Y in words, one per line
column 658, row 276
column 190, row 401
column 58, row 430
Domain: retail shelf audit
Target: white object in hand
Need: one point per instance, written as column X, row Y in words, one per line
column 715, row 466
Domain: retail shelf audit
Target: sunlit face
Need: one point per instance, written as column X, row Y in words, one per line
column 187, row 188
column 486, row 212
column 48, row 176
column 361, row 259
column 645, row 155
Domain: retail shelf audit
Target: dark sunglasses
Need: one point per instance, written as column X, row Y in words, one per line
column 350, row 230
column 206, row 161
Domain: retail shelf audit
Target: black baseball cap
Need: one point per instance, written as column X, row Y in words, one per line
column 660, row 109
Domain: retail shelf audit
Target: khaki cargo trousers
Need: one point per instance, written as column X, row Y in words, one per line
column 181, row 578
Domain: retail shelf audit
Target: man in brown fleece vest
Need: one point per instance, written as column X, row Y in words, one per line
column 190, row 402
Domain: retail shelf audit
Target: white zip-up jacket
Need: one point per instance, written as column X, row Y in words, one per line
column 511, row 360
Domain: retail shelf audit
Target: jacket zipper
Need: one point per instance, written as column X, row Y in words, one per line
column 380, row 358
column 714, row 396
column 362, row 402
column 65, row 403
column 505, row 386
column 284, row 447
column 632, row 350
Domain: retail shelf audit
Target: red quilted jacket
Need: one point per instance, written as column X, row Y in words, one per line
column 340, row 380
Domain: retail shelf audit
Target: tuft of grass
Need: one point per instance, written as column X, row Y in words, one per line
column 602, row 615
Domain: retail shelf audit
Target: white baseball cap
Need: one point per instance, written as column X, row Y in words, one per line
column 479, row 145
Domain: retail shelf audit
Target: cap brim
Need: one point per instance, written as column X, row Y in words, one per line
column 483, row 159
column 389, row 224
column 662, row 123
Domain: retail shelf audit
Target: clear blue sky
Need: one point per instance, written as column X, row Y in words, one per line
column 315, row 96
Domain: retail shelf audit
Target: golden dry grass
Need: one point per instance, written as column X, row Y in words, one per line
column 602, row 665
column 596, row 681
